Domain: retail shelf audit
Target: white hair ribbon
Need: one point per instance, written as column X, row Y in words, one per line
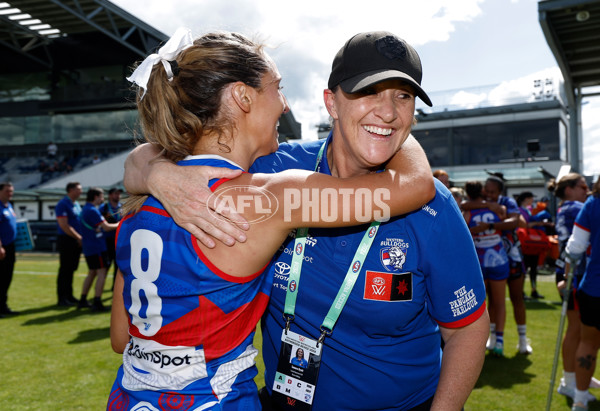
column 181, row 40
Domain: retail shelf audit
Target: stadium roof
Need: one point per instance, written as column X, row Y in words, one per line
column 572, row 30
column 42, row 35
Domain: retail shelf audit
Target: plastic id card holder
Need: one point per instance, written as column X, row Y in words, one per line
column 297, row 372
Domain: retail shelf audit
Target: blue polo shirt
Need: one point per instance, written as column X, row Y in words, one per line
column 70, row 210
column 8, row 224
column 588, row 220
column 422, row 271
column 92, row 240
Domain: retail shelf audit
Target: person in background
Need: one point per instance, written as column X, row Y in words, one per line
column 572, row 190
column 458, row 194
column 531, row 261
column 443, row 176
column 384, row 352
column 586, row 234
column 67, row 213
column 492, row 190
column 8, row 235
column 93, row 227
column 492, row 257
column 111, row 211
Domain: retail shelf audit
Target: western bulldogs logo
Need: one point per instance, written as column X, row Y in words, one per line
column 356, row 266
column 293, row 286
column 299, row 249
column 393, row 258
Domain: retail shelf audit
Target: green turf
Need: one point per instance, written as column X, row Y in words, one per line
column 60, row 359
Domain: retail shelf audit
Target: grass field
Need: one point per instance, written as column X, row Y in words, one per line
column 55, row 358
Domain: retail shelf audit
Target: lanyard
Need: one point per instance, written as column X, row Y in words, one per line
column 351, row 275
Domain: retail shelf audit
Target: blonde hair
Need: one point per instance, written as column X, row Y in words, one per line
column 175, row 114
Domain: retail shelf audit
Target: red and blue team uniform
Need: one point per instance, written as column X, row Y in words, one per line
column 191, row 324
column 489, row 246
column 511, row 242
column 421, row 272
column 565, row 219
column 92, row 238
column 588, row 219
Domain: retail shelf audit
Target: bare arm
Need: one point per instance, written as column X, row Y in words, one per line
column 108, row 226
column 178, row 188
column 119, row 324
column 405, row 185
column 184, row 193
column 301, row 198
column 464, row 353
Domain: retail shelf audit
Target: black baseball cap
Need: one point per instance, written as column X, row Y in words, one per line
column 114, row 189
column 372, row 57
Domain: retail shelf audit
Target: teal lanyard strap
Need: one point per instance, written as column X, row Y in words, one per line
column 347, row 285
column 297, row 259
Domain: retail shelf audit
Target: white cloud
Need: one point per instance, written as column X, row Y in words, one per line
column 307, row 35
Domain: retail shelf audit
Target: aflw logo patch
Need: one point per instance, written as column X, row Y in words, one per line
column 382, row 286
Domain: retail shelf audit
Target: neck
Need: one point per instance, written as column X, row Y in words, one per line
column 343, row 166
column 212, row 147
column 113, row 203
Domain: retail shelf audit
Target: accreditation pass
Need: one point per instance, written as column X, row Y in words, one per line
column 297, row 371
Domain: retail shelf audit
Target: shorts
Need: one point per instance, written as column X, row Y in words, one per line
column 589, row 307
column 97, row 261
column 515, row 259
column 572, row 303
column 495, row 273
column 516, row 270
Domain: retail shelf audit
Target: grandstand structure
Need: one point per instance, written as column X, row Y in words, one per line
column 62, row 80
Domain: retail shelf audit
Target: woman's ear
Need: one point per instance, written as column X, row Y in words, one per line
column 329, row 98
column 242, row 95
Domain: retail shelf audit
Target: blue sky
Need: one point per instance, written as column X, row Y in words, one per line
column 463, row 44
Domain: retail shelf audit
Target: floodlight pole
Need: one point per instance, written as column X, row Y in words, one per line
column 561, row 326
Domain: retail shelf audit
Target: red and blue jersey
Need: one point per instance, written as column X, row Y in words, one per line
column 421, row 272
column 191, row 324
column 490, row 248
column 565, row 219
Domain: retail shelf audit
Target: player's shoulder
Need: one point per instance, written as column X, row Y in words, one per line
column 441, row 203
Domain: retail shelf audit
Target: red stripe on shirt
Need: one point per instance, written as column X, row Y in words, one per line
column 465, row 321
column 220, row 273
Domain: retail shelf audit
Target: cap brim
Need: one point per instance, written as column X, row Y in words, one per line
column 364, row 80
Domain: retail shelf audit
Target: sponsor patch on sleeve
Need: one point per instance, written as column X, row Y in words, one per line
column 382, row 286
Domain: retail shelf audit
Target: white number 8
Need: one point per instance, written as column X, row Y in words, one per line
column 144, row 280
